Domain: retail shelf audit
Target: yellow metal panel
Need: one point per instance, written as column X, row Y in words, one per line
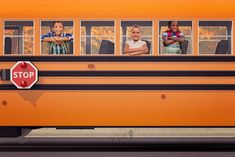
column 117, row 108
column 77, row 40
column 195, row 39
column 135, row 80
column 128, row 65
column 1, row 38
column 155, row 38
column 118, row 49
column 37, row 38
column 117, row 9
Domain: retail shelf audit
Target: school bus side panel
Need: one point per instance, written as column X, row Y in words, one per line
column 117, row 108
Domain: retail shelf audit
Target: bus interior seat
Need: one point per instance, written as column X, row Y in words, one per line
column 222, row 47
column 71, row 47
column 8, row 45
column 185, row 47
column 148, row 44
column 106, row 47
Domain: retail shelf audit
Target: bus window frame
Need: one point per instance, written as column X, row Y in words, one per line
column 3, row 37
column 132, row 22
column 232, row 36
column 153, row 54
column 159, row 35
column 62, row 20
column 80, row 36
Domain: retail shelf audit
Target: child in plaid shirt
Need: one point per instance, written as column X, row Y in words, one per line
column 57, row 40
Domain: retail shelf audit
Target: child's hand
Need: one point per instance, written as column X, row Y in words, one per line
column 175, row 39
column 58, row 40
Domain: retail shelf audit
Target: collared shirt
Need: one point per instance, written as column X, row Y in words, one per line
column 135, row 44
column 169, row 33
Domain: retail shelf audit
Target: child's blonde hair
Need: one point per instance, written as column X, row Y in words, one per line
column 135, row 26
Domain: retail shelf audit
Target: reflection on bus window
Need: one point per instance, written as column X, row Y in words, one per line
column 18, row 37
column 57, row 37
column 97, row 37
column 137, row 37
column 215, row 37
column 175, row 37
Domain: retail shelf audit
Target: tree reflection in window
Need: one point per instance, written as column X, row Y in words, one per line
column 211, row 33
column 93, row 33
column 19, row 37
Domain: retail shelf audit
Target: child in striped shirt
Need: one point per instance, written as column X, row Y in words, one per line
column 173, row 38
column 58, row 41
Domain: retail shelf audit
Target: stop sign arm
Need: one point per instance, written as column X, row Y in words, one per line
column 5, row 74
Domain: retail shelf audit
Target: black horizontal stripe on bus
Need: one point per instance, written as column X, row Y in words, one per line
column 136, row 73
column 121, row 146
column 5, row 73
column 118, row 58
column 125, row 87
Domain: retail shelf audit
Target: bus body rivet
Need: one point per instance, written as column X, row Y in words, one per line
column 163, row 96
column 23, row 65
column 23, row 84
column 4, row 102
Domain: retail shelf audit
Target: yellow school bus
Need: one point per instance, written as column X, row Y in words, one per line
column 90, row 87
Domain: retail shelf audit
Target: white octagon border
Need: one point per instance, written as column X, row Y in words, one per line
column 36, row 69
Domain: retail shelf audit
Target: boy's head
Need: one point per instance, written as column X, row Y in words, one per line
column 173, row 26
column 136, row 32
column 58, row 27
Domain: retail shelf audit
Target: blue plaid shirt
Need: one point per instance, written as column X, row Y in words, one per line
column 58, row 49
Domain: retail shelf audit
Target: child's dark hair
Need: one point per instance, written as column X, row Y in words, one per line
column 170, row 22
column 57, row 22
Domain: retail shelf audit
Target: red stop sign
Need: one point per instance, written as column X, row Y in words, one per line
column 24, row 75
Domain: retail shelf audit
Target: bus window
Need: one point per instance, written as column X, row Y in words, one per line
column 18, row 37
column 215, row 37
column 97, row 37
column 137, row 35
column 175, row 37
column 57, row 37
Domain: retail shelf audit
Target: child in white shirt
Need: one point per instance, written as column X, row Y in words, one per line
column 135, row 46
